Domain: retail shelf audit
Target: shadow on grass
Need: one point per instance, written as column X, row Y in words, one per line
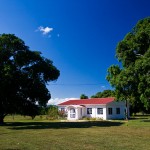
column 59, row 125
column 142, row 118
column 145, row 121
column 135, row 118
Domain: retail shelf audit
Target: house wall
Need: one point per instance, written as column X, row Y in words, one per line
column 80, row 112
column 94, row 111
column 114, row 106
column 101, row 116
column 106, row 115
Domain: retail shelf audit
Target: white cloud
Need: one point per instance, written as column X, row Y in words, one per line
column 56, row 101
column 45, row 30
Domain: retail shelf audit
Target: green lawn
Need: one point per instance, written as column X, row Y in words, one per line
column 24, row 133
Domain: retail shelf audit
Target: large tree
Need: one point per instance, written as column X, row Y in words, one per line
column 24, row 75
column 131, row 80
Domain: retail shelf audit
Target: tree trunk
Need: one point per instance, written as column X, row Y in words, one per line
column 126, row 110
column 2, row 119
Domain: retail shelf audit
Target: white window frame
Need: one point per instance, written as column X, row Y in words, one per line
column 100, row 111
column 118, row 110
column 110, row 111
column 62, row 109
column 89, row 111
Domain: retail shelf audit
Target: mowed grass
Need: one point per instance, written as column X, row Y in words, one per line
column 41, row 134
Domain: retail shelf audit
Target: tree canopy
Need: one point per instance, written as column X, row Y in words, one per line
column 131, row 80
column 83, row 96
column 24, row 75
column 105, row 93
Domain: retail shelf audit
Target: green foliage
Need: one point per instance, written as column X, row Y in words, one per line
column 62, row 115
column 83, row 96
column 23, row 77
column 52, row 112
column 105, row 93
column 43, row 110
column 132, row 80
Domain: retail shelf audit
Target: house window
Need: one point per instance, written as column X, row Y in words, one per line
column 110, row 111
column 62, row 109
column 117, row 110
column 89, row 110
column 72, row 113
column 100, row 111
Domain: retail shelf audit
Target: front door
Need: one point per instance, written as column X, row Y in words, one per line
column 72, row 113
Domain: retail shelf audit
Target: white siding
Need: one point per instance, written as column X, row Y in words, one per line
column 79, row 115
column 94, row 112
column 101, row 116
column 114, row 106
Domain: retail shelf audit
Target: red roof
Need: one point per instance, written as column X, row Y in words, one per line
column 89, row 101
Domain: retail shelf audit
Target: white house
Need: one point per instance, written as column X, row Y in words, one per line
column 102, row 108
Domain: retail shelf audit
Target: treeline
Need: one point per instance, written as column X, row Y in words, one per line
column 105, row 93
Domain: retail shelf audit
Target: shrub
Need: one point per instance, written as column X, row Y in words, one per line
column 52, row 113
column 62, row 114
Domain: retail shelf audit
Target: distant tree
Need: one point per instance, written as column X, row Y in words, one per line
column 83, row 96
column 105, row 93
column 24, row 75
column 132, row 80
column 52, row 112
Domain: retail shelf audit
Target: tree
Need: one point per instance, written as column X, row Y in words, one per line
column 83, row 96
column 105, row 93
column 24, row 75
column 132, row 80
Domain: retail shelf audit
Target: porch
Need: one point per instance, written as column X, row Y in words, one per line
column 75, row 112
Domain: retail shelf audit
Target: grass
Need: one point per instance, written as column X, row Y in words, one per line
column 24, row 133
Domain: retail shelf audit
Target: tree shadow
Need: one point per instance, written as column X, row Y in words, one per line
column 59, row 125
column 143, row 118
column 145, row 121
column 135, row 118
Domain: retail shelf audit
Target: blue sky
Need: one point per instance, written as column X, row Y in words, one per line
column 80, row 38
